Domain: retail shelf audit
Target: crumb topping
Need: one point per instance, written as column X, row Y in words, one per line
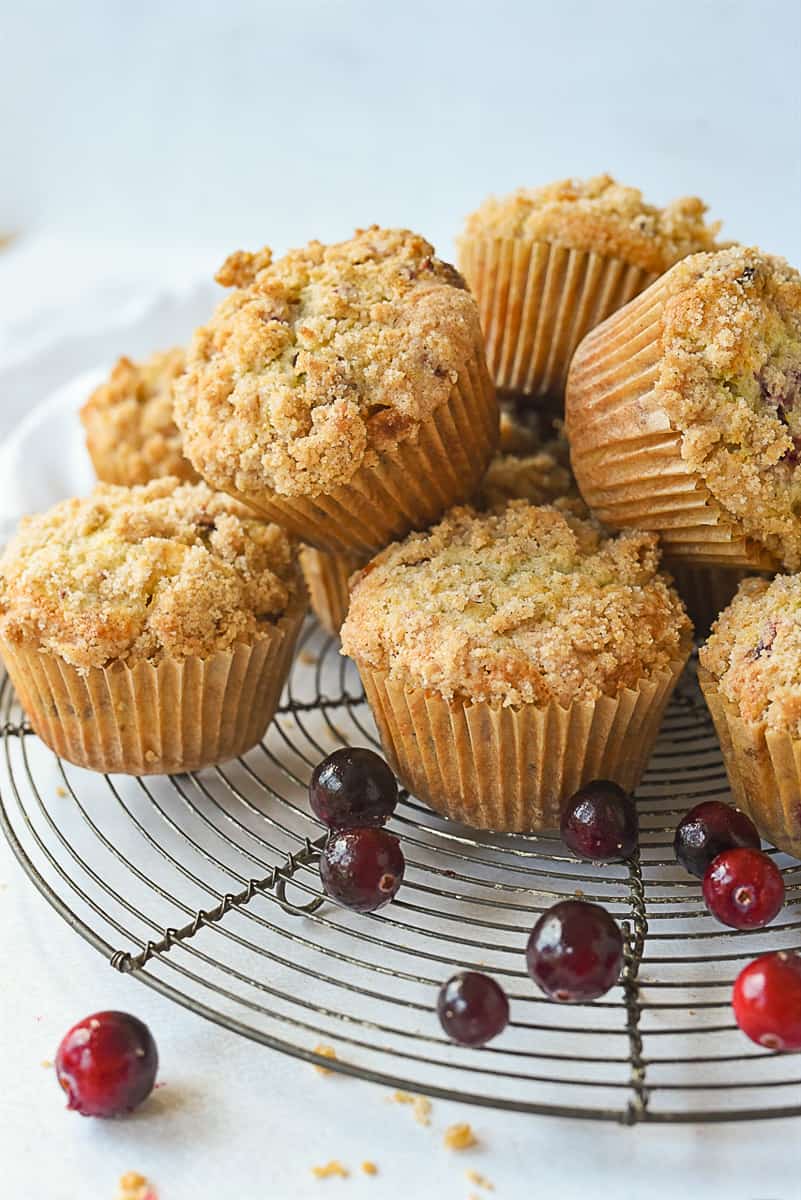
column 319, row 361
column 601, row 215
column 331, row 1170
column 130, row 432
column 754, row 652
column 167, row 569
column 541, row 477
column 730, row 380
column 523, row 605
column 460, row 1137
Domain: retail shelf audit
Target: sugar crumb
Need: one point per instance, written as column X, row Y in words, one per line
column 460, row 1137
column 61, row 792
column 421, row 1106
column 479, row 1180
column 369, row 1168
column 133, row 1186
column 324, row 1052
column 332, row 1169
column 47, row 1063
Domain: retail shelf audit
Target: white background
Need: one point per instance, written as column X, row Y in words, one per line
column 138, row 144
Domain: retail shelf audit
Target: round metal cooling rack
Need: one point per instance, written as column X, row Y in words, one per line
column 205, row 887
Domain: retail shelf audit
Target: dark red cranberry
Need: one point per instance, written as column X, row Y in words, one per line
column 107, row 1064
column 600, row 822
column 352, row 788
column 575, row 951
column 709, row 829
column 472, row 1008
column 767, row 1000
column 362, row 868
column 744, row 888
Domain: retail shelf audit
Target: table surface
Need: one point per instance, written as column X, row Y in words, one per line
column 703, row 98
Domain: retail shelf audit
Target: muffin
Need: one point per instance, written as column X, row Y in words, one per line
column 130, row 432
column 541, row 476
column 547, row 264
column 149, row 629
column 682, row 412
column 341, row 390
column 750, row 674
column 509, row 657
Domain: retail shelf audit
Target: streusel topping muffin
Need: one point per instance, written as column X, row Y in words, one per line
column 166, row 569
column 754, row 652
column 730, row 380
column 540, row 477
column 600, row 215
column 525, row 605
column 130, row 432
column 321, row 360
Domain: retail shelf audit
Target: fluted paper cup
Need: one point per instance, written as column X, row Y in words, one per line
column 512, row 769
column 407, row 488
column 327, row 578
column 625, row 454
column 763, row 766
column 537, row 300
column 155, row 719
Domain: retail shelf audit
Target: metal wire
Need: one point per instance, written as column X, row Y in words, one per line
column 205, row 887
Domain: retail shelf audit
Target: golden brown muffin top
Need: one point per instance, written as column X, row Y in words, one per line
column 524, row 605
column 599, row 215
column 130, row 432
column 754, row 652
column 163, row 570
column 319, row 361
column 730, row 380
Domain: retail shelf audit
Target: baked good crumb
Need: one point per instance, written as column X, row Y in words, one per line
column 326, row 1052
column 601, row 215
column 479, row 1180
column 369, row 1168
column 319, row 361
column 331, row 1170
column 754, row 652
column 421, row 1106
column 523, row 605
column 540, row 476
column 131, row 435
column 138, row 574
column 460, row 1137
column 47, row 1063
column 133, row 1186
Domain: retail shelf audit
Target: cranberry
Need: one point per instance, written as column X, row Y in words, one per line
column 767, row 1000
column 709, row 829
column 353, row 787
column 600, row 822
column 107, row 1064
column 575, row 951
column 743, row 888
column 362, row 868
column 472, row 1008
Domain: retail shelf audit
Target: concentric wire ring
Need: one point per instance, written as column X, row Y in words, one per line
column 205, row 887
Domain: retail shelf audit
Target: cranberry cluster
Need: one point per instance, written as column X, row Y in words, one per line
column 743, row 888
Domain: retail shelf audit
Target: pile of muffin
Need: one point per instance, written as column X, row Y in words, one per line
column 475, row 474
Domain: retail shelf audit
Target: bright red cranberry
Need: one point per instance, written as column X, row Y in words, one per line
column 575, row 951
column 767, row 1000
column 600, row 822
column 472, row 1008
column 709, row 829
column 362, row 868
column 107, row 1064
column 743, row 888
column 351, row 788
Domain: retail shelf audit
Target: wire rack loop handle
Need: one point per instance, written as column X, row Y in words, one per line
column 125, row 962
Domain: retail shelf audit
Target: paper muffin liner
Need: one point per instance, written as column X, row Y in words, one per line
column 406, row 488
column 705, row 590
column 763, row 766
column 537, row 301
column 512, row 769
column 155, row 719
column 327, row 578
column 625, row 455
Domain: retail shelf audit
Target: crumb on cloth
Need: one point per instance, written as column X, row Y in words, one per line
column 331, row 1170
column 460, row 1137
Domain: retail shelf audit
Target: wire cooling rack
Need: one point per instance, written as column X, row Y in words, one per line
column 205, row 887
